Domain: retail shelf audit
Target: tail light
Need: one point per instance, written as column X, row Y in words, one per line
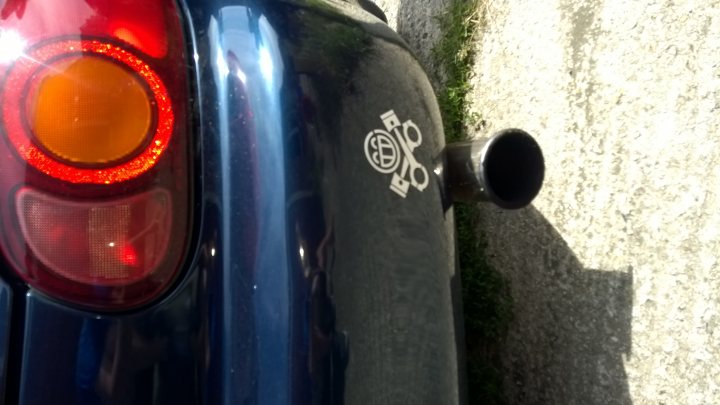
column 94, row 159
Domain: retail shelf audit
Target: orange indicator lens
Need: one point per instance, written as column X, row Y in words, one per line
column 86, row 112
column 89, row 110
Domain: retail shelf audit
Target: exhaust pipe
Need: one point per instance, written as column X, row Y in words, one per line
column 506, row 169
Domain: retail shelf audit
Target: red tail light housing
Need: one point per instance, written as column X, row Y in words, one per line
column 95, row 168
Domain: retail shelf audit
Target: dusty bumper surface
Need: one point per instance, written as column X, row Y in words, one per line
column 416, row 22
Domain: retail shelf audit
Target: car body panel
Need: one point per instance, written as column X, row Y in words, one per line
column 314, row 276
column 71, row 356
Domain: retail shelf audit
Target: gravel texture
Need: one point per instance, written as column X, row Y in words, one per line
column 614, row 269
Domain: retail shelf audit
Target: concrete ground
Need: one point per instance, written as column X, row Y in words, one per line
column 614, row 269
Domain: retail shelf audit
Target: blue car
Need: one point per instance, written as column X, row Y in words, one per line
column 230, row 202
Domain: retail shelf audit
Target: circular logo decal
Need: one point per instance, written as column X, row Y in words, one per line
column 382, row 151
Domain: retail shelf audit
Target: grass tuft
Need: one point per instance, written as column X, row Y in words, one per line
column 487, row 304
column 454, row 54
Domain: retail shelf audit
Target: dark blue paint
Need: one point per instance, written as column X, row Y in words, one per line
column 5, row 302
column 72, row 356
column 243, row 150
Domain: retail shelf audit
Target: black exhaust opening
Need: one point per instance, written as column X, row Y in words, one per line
column 513, row 169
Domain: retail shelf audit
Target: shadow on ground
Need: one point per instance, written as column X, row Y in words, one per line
column 571, row 330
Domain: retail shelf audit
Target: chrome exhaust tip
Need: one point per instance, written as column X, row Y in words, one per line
column 506, row 169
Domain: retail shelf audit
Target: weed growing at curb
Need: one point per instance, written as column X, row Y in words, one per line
column 487, row 304
column 454, row 54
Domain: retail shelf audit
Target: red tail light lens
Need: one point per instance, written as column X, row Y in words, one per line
column 95, row 168
column 103, row 244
